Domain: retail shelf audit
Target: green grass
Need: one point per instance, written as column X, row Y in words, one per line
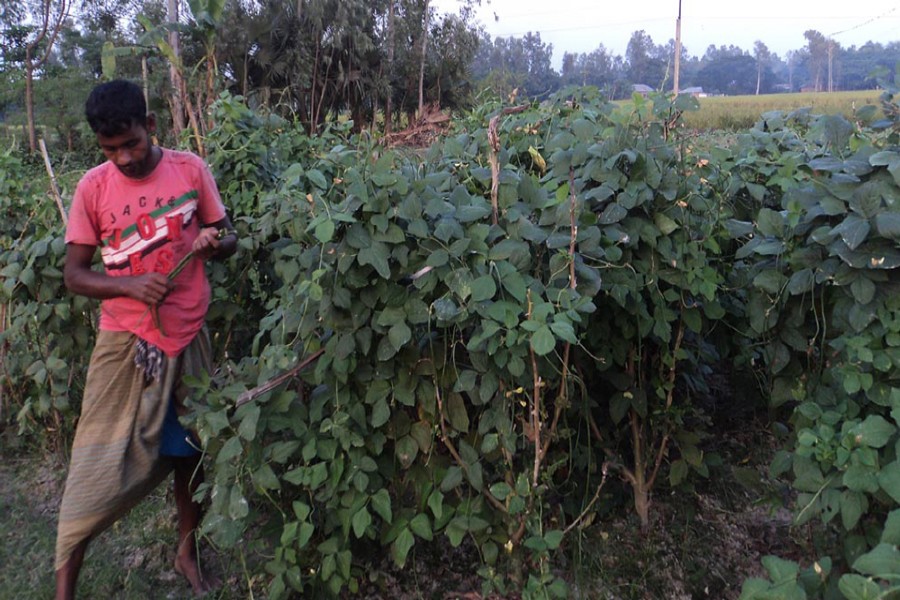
column 739, row 112
column 130, row 561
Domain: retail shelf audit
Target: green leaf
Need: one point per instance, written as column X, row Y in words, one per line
column 882, row 560
column 247, row 428
column 282, row 451
column 401, row 546
column 406, row 451
column 265, row 478
column 678, row 472
column 863, row 289
column 857, row 587
column 361, row 521
column 889, row 479
column 665, row 224
column 456, row 413
column 483, row 288
column 770, row 223
column 377, row 256
column 238, row 508
column 455, row 532
column 421, row 526
column 853, row 505
column 381, row 412
column 230, row 449
column 874, row 432
column 780, row 570
column 891, row 532
column 501, row 490
column 451, row 480
column 770, row 281
column 325, row 231
column 564, row 331
column 317, row 179
column 436, row 502
column 553, row 538
column 381, row 504
column 399, row 335
column 612, row 214
column 887, row 224
column 854, row 230
column 542, row 341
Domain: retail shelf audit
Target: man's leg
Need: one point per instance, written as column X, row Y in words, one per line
column 188, row 475
column 67, row 575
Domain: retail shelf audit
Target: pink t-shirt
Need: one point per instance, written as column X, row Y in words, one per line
column 144, row 225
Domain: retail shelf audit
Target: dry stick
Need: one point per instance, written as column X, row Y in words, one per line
column 535, row 407
column 53, row 186
column 663, row 446
column 494, row 141
column 561, row 396
column 604, row 470
column 2, row 357
column 273, row 383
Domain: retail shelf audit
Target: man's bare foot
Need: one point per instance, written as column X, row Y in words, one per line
column 201, row 582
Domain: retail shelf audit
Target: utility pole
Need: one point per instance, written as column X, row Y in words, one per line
column 677, row 48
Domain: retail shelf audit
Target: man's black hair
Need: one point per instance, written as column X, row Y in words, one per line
column 113, row 107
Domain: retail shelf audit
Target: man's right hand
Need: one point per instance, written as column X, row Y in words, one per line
column 149, row 288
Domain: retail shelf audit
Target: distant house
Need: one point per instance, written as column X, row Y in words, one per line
column 640, row 88
column 696, row 92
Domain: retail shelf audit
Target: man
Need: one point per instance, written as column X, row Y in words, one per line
column 146, row 209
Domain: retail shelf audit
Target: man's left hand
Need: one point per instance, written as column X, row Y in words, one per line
column 207, row 243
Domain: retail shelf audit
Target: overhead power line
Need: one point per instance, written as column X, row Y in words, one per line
column 864, row 23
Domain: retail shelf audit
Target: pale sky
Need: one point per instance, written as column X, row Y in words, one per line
column 582, row 25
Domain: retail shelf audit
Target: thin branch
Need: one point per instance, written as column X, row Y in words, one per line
column 535, row 408
column 273, row 383
column 679, row 337
column 659, row 458
column 562, row 396
column 448, row 443
column 604, row 470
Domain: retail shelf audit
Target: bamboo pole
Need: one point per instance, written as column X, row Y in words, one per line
column 53, row 186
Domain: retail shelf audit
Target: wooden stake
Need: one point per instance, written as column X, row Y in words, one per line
column 53, row 186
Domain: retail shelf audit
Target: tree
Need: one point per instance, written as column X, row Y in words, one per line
column 647, row 63
column 763, row 55
column 817, row 59
column 727, row 70
column 598, row 68
column 49, row 16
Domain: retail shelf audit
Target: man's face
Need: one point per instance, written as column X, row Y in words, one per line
column 131, row 151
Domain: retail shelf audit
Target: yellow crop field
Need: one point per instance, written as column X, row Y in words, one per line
column 739, row 112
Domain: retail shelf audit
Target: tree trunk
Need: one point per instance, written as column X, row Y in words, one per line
column 758, row 79
column 29, row 102
column 422, row 63
column 639, row 484
column 175, row 73
column 389, row 102
column 642, row 504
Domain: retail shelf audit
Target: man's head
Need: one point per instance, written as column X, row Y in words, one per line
column 115, row 107
column 117, row 113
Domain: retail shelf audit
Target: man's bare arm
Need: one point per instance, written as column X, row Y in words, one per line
column 209, row 245
column 149, row 288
